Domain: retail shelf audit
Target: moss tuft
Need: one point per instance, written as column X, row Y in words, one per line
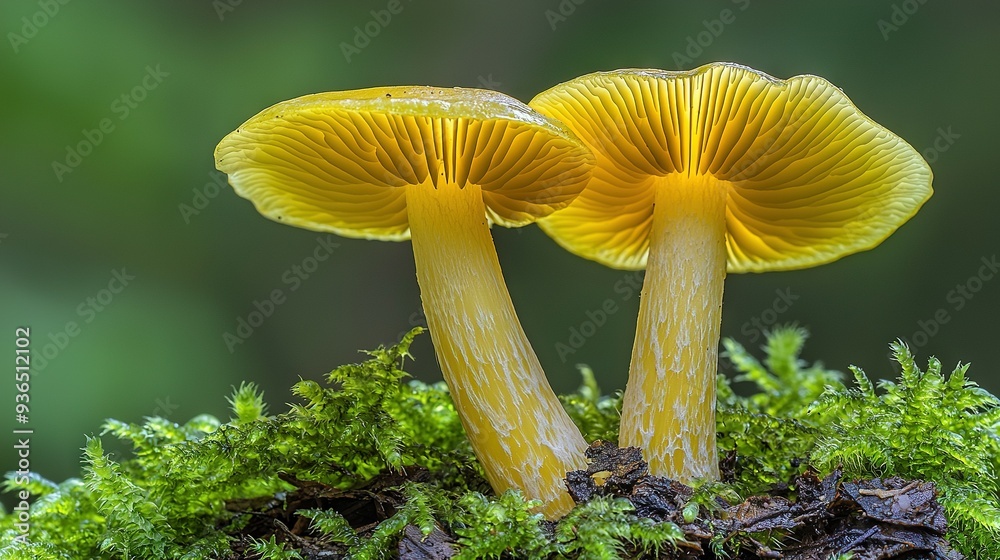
column 927, row 426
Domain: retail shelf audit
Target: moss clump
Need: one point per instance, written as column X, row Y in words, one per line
column 596, row 415
column 773, row 431
column 370, row 459
column 924, row 426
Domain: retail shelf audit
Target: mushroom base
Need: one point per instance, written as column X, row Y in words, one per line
column 668, row 409
column 518, row 428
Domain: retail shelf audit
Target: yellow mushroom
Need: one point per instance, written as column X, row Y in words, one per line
column 437, row 166
column 715, row 169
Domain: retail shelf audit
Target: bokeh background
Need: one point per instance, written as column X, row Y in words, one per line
column 140, row 200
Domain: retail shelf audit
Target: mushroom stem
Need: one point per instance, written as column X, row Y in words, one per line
column 518, row 429
column 669, row 403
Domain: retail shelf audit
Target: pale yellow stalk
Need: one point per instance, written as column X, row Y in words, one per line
column 518, row 429
column 669, row 404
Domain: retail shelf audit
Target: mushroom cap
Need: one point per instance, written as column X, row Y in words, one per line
column 810, row 178
column 337, row 161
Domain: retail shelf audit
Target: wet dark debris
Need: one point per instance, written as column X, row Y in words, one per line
column 814, row 519
column 363, row 508
column 415, row 546
column 810, row 519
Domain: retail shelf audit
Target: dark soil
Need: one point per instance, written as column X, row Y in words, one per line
column 815, row 519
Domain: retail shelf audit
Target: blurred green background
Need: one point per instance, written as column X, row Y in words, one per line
column 141, row 199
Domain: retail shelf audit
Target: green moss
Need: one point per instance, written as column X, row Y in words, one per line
column 925, row 426
column 606, row 528
column 597, row 415
column 186, row 489
column 273, row 550
column 489, row 527
column 773, row 431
